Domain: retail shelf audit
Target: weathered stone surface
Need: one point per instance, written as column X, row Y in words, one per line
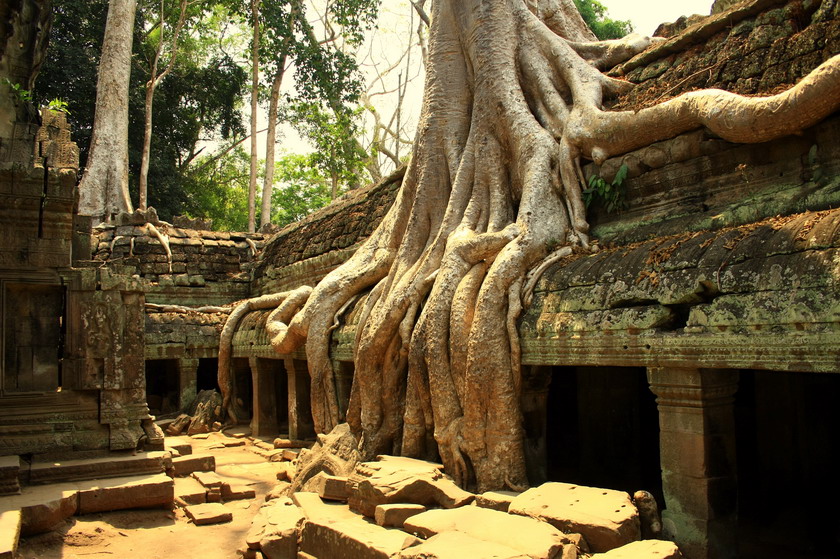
column 645, row 549
column 332, row 530
column 43, row 508
column 237, row 492
column 183, row 449
column 354, row 538
column 291, row 443
column 606, row 518
column 208, row 479
column 185, row 465
column 396, row 514
column 114, row 465
column 274, row 530
column 458, row 545
column 495, row 500
column 290, row 454
column 9, row 471
column 285, row 472
column 188, row 491
column 208, row 513
column 126, row 493
column 335, row 453
column 10, row 522
column 526, row 535
column 402, row 480
column 333, row 488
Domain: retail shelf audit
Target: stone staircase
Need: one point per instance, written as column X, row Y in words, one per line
column 36, row 496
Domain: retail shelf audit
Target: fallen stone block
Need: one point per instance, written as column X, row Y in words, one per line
column 234, row 443
column 9, row 475
column 645, row 549
column 291, row 443
column 495, row 500
column 315, row 508
column 208, row 513
column 333, row 488
column 177, row 427
column 185, row 465
column 208, row 479
column 214, row 494
column 43, row 508
column 290, row 454
column 189, row 492
column 237, row 492
column 285, row 472
column 606, row 518
column 184, row 449
column 278, row 491
column 402, row 480
column 396, row 514
column 354, row 538
column 10, row 522
column 458, row 545
column 126, row 493
column 275, row 529
column 526, row 535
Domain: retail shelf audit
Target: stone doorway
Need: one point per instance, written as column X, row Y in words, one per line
column 788, row 438
column 602, row 429
column 162, row 386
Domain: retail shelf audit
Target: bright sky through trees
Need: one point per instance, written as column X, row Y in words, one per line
column 646, row 15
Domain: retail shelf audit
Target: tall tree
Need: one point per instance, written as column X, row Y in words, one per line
column 103, row 190
column 155, row 77
column 513, row 101
column 255, row 88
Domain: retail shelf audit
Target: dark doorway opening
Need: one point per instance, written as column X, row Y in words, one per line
column 602, row 429
column 207, row 376
column 162, row 386
column 788, row 440
column 243, row 389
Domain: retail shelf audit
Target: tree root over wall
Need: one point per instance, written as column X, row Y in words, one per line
column 512, row 103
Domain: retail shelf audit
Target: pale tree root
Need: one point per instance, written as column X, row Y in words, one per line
column 512, row 103
column 226, row 337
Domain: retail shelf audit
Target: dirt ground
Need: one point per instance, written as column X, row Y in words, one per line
column 166, row 533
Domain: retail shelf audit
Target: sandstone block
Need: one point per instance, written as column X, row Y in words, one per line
column 645, row 549
column 606, row 518
column 526, row 535
column 10, row 522
column 237, row 492
column 285, row 472
column 9, row 472
column 290, row 454
column 396, row 514
column 189, row 492
column 333, row 488
column 291, row 443
column 276, row 529
column 185, row 465
column 402, row 480
column 115, row 465
column 208, row 513
column 47, row 507
column 208, row 479
column 184, row 449
column 495, row 500
column 354, row 538
column 458, row 545
column 126, row 493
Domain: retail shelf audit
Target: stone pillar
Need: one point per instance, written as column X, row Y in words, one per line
column 264, row 415
column 300, row 406
column 697, row 453
column 187, row 382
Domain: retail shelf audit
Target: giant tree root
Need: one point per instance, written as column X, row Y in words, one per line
column 512, row 103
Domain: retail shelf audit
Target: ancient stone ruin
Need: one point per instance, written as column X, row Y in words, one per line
column 689, row 366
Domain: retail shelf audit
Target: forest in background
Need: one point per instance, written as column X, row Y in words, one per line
column 347, row 105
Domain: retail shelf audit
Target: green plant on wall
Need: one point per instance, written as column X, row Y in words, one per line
column 58, row 105
column 24, row 95
column 608, row 194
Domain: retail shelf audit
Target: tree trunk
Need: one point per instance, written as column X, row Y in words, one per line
column 151, row 85
column 255, row 86
column 103, row 191
column 512, row 102
column 270, row 143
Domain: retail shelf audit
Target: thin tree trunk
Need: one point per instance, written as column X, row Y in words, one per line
column 103, row 191
column 255, row 85
column 151, row 86
column 270, row 142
